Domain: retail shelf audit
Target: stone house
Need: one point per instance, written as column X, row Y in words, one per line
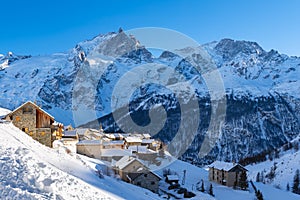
column 114, row 144
column 147, row 180
column 113, row 154
column 90, row 148
column 132, row 170
column 70, row 139
column 225, row 173
column 127, row 165
column 34, row 121
column 133, row 141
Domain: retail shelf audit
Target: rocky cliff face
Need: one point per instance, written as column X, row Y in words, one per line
column 262, row 91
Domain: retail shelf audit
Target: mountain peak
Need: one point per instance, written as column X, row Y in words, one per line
column 230, row 48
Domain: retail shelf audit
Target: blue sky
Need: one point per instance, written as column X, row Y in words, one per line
column 40, row 27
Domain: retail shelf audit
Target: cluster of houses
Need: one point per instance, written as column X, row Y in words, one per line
column 120, row 150
column 124, row 152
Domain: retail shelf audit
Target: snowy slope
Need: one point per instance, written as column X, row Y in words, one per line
column 195, row 174
column 30, row 170
column 286, row 166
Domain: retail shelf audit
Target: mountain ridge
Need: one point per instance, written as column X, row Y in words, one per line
column 261, row 90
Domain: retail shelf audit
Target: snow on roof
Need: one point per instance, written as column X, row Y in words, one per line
column 125, row 161
column 55, row 123
column 172, row 177
column 133, row 139
column 72, row 133
column 146, row 135
column 89, row 142
column 115, row 152
column 114, row 142
column 81, row 131
column 222, row 165
column 147, row 141
column 118, row 135
column 110, row 135
column 30, row 102
column 94, row 130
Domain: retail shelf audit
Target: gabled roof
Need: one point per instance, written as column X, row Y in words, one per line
column 147, row 141
column 226, row 166
column 115, row 152
column 82, row 131
column 133, row 176
column 133, row 139
column 146, row 135
column 127, row 160
column 113, row 142
column 36, row 106
column 90, row 142
column 72, row 133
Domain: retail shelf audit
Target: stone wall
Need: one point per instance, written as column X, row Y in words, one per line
column 148, row 181
column 90, row 150
column 24, row 119
column 44, row 136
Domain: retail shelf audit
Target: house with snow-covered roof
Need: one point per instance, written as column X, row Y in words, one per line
column 133, row 141
column 134, row 171
column 36, row 122
column 226, row 173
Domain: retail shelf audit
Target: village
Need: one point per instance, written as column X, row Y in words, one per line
column 127, row 155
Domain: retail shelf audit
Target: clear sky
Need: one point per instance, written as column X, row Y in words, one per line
column 43, row 27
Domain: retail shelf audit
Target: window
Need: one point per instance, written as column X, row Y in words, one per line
column 27, row 110
column 152, row 183
column 17, row 118
column 138, row 183
column 145, row 175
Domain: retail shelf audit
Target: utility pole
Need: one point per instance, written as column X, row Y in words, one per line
column 183, row 179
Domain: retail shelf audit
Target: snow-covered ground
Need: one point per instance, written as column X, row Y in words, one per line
column 286, row 167
column 195, row 174
column 30, row 170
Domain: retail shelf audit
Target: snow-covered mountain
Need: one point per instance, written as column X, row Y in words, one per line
column 262, row 98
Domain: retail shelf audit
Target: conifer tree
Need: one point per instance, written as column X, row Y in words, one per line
column 295, row 188
column 259, row 195
column 202, row 186
column 258, row 177
column 243, row 180
column 210, row 191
